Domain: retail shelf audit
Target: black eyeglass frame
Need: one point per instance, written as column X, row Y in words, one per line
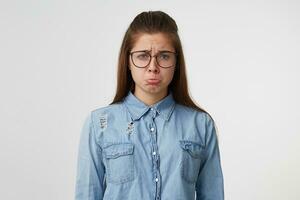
column 148, row 52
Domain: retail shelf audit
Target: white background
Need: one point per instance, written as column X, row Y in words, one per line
column 58, row 62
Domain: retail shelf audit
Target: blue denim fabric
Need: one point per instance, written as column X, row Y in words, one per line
column 131, row 151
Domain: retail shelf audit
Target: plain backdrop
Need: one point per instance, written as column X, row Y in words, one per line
column 58, row 62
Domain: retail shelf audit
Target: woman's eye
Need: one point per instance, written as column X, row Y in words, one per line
column 142, row 56
column 164, row 56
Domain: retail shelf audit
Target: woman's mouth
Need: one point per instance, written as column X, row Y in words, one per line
column 153, row 81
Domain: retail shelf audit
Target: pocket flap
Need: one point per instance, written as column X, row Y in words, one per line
column 116, row 150
column 193, row 148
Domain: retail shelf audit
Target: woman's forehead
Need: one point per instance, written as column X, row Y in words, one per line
column 157, row 42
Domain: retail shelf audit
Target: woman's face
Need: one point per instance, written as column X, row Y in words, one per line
column 161, row 77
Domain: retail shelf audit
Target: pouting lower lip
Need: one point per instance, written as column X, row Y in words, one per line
column 153, row 81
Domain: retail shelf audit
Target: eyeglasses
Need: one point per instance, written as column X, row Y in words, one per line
column 164, row 59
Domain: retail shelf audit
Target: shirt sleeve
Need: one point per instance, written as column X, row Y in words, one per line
column 90, row 183
column 209, row 185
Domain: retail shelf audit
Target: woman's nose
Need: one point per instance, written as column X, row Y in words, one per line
column 153, row 66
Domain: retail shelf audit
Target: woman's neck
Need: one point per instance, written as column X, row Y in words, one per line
column 150, row 98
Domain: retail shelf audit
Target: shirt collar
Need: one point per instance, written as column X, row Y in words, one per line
column 137, row 108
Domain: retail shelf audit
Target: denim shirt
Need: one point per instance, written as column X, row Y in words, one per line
column 132, row 151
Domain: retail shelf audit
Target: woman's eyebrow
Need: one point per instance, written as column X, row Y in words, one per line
column 163, row 50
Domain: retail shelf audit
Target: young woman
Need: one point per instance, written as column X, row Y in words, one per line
column 152, row 142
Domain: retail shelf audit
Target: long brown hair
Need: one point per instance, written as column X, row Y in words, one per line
column 153, row 22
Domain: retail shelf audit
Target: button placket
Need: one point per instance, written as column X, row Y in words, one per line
column 154, row 151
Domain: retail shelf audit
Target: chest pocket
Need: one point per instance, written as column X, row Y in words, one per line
column 192, row 154
column 119, row 162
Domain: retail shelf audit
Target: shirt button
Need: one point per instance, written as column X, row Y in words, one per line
column 151, row 108
column 152, row 129
column 154, row 153
column 156, row 180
